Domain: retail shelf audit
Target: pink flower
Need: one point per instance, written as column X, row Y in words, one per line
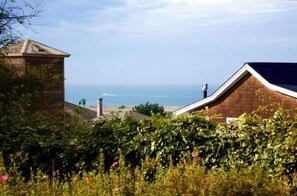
column 115, row 164
column 117, row 190
column 194, row 154
column 4, row 178
column 204, row 180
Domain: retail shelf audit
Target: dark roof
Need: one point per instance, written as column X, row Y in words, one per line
column 280, row 74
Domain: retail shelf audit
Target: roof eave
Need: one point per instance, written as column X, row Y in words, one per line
column 39, row 55
column 228, row 84
column 50, row 51
column 222, row 89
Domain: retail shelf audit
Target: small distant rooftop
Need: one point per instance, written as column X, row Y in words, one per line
column 30, row 47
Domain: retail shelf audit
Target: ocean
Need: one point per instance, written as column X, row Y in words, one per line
column 132, row 95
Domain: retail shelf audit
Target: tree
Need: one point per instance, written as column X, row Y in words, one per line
column 17, row 92
column 15, row 13
column 149, row 109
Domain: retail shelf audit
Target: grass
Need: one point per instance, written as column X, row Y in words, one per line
column 187, row 178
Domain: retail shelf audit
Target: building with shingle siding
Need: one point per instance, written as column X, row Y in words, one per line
column 276, row 82
column 26, row 53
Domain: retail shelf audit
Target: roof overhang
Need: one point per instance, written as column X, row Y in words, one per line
column 31, row 48
column 38, row 55
column 228, row 84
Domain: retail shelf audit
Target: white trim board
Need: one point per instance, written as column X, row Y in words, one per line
column 246, row 68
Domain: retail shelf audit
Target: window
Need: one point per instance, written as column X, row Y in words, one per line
column 230, row 119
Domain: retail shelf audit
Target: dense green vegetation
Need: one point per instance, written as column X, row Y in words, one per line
column 149, row 109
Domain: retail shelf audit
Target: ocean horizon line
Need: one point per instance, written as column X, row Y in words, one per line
column 133, row 95
column 94, row 106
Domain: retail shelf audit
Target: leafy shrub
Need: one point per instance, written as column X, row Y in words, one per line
column 166, row 137
column 149, row 109
column 267, row 142
column 270, row 143
column 111, row 134
column 36, row 144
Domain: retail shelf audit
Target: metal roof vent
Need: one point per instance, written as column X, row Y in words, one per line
column 37, row 48
column 204, row 88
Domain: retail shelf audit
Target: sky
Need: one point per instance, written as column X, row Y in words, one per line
column 165, row 41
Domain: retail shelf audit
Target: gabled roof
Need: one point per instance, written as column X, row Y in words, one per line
column 29, row 47
column 280, row 77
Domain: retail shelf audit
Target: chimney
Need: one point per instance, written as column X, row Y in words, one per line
column 99, row 103
column 204, row 88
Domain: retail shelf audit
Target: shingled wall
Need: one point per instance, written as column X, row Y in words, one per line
column 28, row 53
column 242, row 98
column 52, row 100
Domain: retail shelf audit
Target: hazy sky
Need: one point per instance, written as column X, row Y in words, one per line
column 165, row 41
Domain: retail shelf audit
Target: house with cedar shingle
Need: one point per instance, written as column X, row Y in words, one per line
column 276, row 82
column 25, row 53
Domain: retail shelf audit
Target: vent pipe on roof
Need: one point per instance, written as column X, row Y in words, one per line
column 204, row 88
column 99, row 103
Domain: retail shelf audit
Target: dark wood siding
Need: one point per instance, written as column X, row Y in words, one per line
column 53, row 99
column 17, row 63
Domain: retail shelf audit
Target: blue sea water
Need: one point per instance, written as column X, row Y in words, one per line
column 131, row 95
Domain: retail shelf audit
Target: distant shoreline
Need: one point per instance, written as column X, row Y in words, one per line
column 110, row 109
column 90, row 113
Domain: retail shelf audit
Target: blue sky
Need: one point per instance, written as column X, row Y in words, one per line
column 165, row 41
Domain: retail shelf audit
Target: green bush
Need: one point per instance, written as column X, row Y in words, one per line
column 149, row 109
column 269, row 143
column 36, row 145
column 166, row 137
